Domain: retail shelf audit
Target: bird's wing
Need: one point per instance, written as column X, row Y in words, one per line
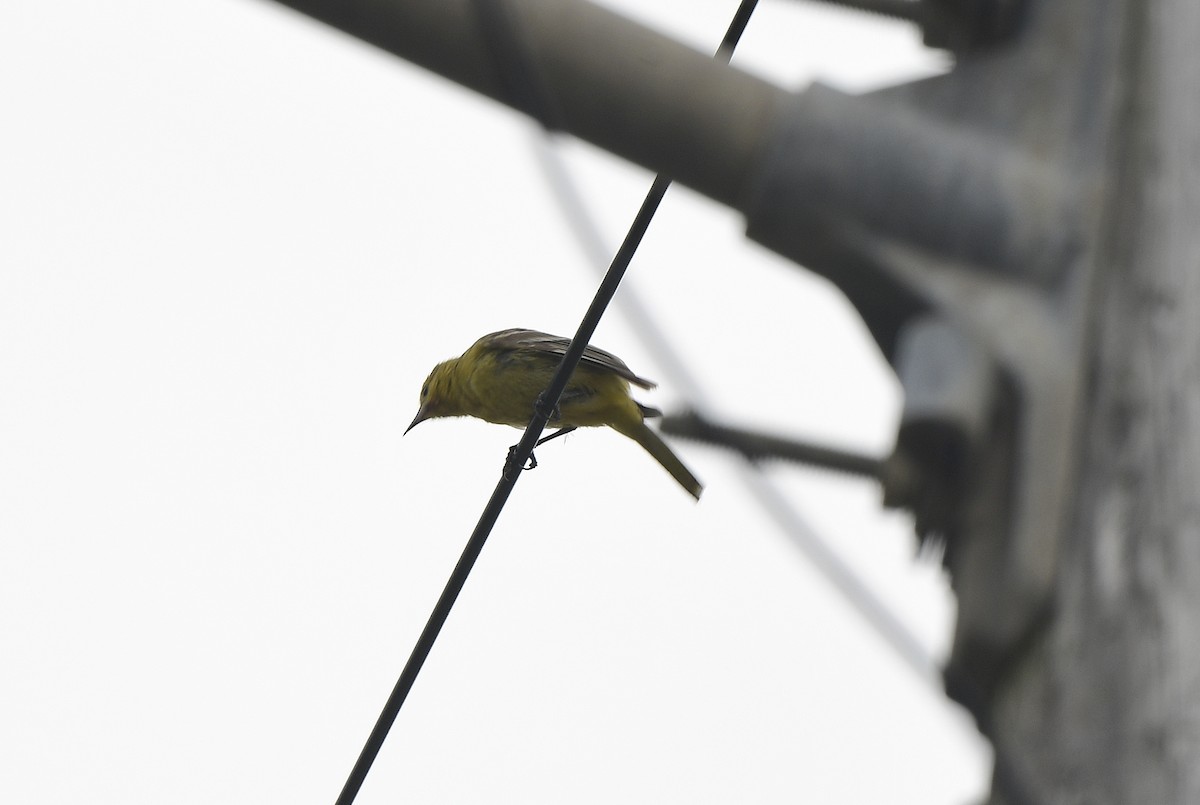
column 518, row 338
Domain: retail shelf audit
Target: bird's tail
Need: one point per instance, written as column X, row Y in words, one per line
column 655, row 446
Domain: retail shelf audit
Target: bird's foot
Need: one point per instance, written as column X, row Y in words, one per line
column 512, row 454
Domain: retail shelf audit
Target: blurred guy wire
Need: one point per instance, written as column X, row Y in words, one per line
column 839, row 574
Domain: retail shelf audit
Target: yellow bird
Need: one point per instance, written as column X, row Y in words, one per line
column 500, row 377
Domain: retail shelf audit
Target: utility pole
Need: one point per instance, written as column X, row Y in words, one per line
column 1022, row 238
column 1101, row 707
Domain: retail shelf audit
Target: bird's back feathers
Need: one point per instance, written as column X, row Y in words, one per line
column 519, row 338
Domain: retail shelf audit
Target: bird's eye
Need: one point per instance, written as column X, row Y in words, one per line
column 425, row 391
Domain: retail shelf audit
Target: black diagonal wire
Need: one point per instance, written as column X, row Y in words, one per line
column 508, row 478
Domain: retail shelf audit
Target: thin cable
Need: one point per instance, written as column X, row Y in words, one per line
column 817, row 551
column 517, row 458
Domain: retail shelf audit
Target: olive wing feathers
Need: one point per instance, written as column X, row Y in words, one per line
column 519, row 338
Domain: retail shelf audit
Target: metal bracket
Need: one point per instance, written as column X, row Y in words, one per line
column 955, row 214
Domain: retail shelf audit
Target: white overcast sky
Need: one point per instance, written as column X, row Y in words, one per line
column 232, row 244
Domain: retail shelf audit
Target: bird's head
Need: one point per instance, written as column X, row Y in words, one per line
column 437, row 394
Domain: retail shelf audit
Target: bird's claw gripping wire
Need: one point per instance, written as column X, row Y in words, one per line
column 512, row 451
column 512, row 454
column 553, row 415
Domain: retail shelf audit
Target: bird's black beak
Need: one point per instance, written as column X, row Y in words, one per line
column 422, row 415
